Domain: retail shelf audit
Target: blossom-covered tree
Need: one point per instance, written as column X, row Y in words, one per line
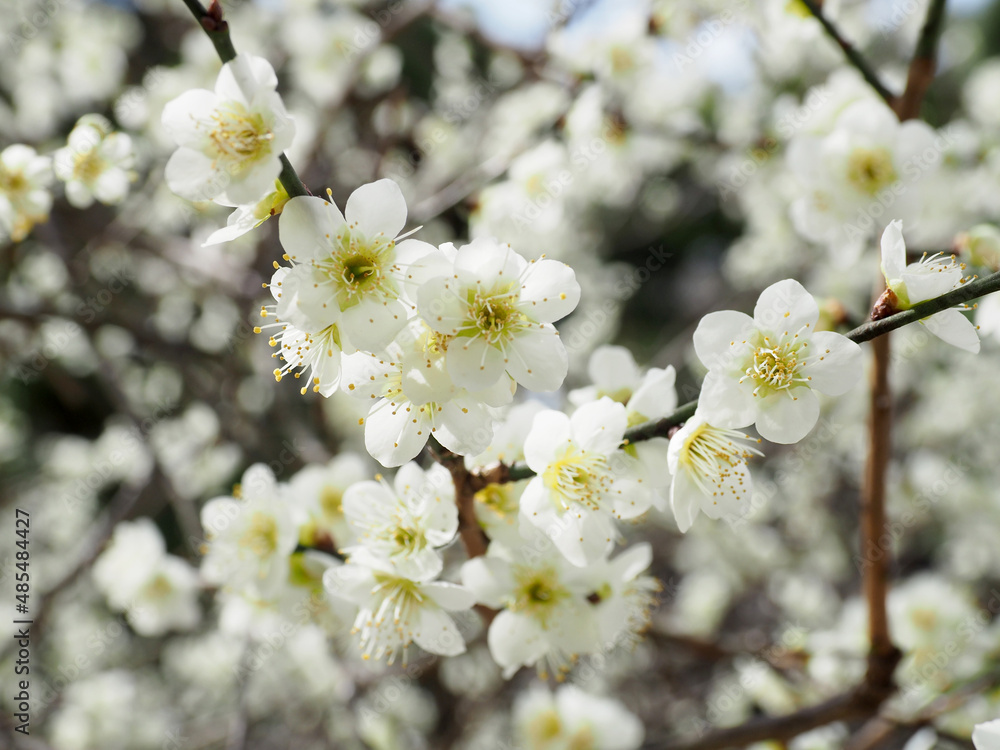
column 543, row 433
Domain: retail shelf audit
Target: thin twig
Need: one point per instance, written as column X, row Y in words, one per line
column 867, row 332
column 851, row 53
column 840, row 708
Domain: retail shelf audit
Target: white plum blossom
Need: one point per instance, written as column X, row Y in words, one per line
column 350, row 281
column 766, row 370
column 500, row 309
column 249, row 216
column 709, row 472
column 868, row 156
column 986, row 736
column 24, row 198
column 583, row 481
column 647, row 396
column 394, row 611
column 355, row 262
column 614, row 373
column 231, row 139
column 412, row 397
column 545, row 618
column 156, row 591
column 622, row 596
column 572, row 718
column 930, row 277
column 96, row 163
column 317, row 492
column 250, row 536
column 404, row 524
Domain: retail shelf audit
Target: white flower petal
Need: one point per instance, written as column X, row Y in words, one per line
column 549, row 291
column 305, row 221
column 725, row 403
column 599, row 427
column 489, row 579
column 537, row 359
column 550, row 433
column 515, row 641
column 377, row 208
column 785, row 306
column 893, row 252
column 685, row 500
column 394, row 435
column 473, row 363
column 952, row 327
column 720, row 336
column 787, row 419
column 835, row 365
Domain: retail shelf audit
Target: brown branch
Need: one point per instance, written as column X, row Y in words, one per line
column 873, row 519
column 923, row 64
column 851, row 705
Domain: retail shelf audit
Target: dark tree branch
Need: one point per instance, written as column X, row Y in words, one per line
column 854, row 57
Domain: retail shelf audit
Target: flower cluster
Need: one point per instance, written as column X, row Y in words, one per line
column 96, row 163
column 432, row 340
column 394, row 562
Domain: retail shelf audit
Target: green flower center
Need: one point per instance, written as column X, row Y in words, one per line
column 88, row 166
column 261, row 535
column 331, row 502
column 493, row 314
column 538, row 593
column 870, row 170
column 359, row 267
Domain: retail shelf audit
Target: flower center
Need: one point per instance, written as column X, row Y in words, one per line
column 870, row 170
column 622, row 59
column 88, row 166
column 239, row 135
column 538, row 593
column 776, row 364
column 358, row 267
column 710, row 454
column 494, row 314
column 408, row 538
column 543, row 728
column 159, row 588
column 579, row 476
column 331, row 502
column 499, row 499
column 261, row 535
column 925, row 619
column 12, row 182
